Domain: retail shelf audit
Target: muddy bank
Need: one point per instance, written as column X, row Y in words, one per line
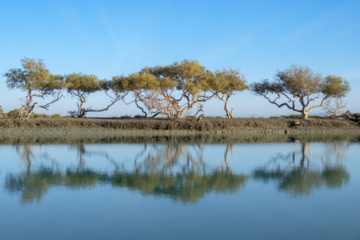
column 58, row 135
column 205, row 124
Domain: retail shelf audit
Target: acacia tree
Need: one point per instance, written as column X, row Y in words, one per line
column 335, row 108
column 146, row 90
column 82, row 85
column 37, row 81
column 301, row 84
column 226, row 83
column 171, row 90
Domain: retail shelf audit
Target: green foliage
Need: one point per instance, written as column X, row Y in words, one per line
column 13, row 113
column 299, row 85
column 56, row 115
column 171, row 90
column 299, row 81
column 295, row 116
column 78, row 83
column 227, row 82
column 36, row 80
column 33, row 76
column 335, row 86
column 317, row 117
column 41, row 115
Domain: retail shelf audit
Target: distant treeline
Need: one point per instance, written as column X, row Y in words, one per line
column 173, row 90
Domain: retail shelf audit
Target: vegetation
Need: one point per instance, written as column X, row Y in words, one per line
column 224, row 84
column 35, row 79
column 171, row 90
column 206, row 124
column 213, row 130
column 176, row 89
column 82, row 85
column 301, row 84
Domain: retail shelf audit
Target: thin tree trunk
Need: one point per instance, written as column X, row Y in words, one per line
column 228, row 112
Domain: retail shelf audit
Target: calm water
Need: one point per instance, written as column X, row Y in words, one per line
column 180, row 191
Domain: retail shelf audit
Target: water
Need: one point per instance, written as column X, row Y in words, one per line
column 180, row 191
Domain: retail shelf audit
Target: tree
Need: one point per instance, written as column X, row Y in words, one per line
column 335, row 108
column 82, row 85
column 302, row 84
column 171, row 90
column 145, row 88
column 190, row 81
column 224, row 84
column 35, row 79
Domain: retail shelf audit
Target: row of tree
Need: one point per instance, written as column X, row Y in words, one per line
column 174, row 89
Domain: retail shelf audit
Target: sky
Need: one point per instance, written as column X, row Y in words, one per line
column 111, row 38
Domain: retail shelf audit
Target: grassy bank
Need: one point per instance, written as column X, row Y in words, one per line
column 206, row 124
column 210, row 130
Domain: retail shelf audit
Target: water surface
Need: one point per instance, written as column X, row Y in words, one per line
column 180, row 191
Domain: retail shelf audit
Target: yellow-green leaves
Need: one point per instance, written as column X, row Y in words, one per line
column 335, row 86
column 227, row 81
column 300, row 86
column 82, row 82
column 36, row 80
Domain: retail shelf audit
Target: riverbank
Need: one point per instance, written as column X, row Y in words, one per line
column 209, row 130
column 205, row 124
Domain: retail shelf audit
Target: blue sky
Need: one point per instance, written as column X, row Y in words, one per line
column 108, row 38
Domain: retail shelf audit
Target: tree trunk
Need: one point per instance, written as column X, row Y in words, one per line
column 305, row 113
column 228, row 112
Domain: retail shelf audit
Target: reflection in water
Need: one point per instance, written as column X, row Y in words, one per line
column 177, row 171
column 298, row 177
column 172, row 170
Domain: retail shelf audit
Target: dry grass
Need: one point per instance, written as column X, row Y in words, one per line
column 208, row 130
column 207, row 124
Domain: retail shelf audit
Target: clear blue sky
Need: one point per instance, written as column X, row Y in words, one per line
column 108, row 38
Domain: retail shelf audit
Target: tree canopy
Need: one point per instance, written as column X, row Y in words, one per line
column 82, row 85
column 35, row 79
column 177, row 89
column 171, row 90
column 301, row 84
column 226, row 83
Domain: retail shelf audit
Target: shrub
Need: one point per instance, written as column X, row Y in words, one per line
column 41, row 115
column 295, row 116
column 317, row 117
column 356, row 115
column 13, row 113
column 56, row 115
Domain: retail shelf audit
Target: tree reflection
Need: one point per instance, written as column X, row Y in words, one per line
column 299, row 177
column 176, row 171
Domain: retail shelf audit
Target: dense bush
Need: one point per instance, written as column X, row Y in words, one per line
column 40, row 115
column 356, row 115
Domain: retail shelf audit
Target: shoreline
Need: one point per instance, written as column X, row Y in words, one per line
column 208, row 130
column 75, row 135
